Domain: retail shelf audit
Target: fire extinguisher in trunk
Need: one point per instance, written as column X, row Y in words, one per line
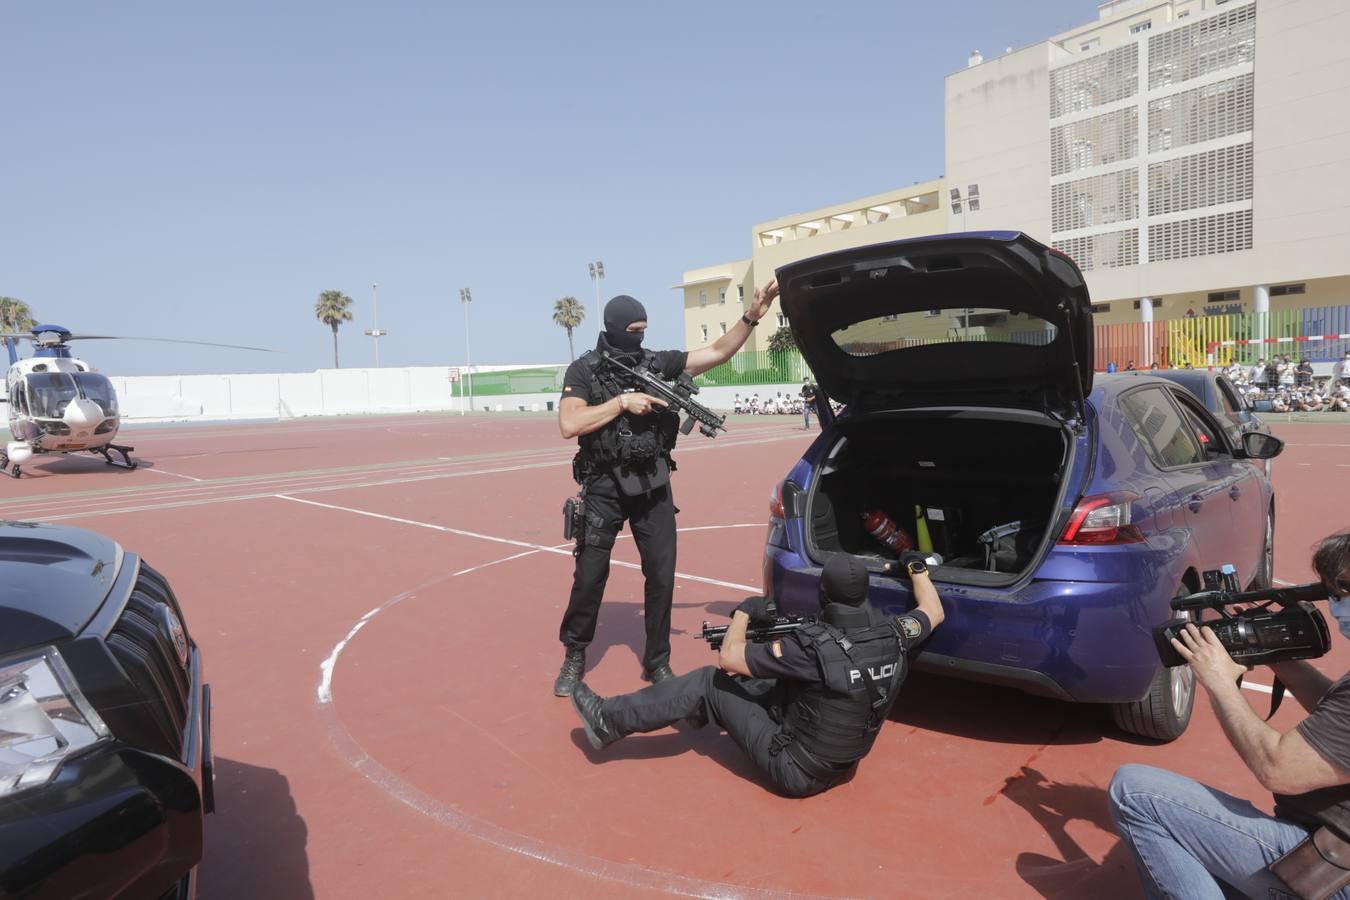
column 887, row 533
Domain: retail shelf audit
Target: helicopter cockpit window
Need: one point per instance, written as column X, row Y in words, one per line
column 17, row 399
column 49, row 392
column 98, row 388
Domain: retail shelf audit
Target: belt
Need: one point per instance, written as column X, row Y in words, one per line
column 812, row 765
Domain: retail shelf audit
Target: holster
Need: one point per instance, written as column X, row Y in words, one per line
column 1317, row 868
column 574, row 518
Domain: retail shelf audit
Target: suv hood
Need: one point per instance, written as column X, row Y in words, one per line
column 53, row 579
column 872, row 322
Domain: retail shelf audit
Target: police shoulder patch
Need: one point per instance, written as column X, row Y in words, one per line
column 910, row 626
column 776, row 648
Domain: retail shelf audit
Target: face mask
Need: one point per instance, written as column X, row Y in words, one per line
column 625, row 341
column 1340, row 608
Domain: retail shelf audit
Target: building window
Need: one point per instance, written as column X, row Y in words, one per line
column 1101, row 308
column 1090, row 45
column 1141, row 27
column 705, row 333
column 721, row 295
column 1283, row 290
column 724, row 327
column 1224, row 296
column 782, row 321
column 1157, row 303
column 740, row 292
column 1183, row 14
column 702, row 297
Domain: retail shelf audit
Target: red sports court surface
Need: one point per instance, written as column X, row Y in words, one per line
column 378, row 600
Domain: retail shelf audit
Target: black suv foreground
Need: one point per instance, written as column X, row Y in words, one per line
column 105, row 735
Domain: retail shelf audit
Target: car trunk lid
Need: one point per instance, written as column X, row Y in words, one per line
column 990, row 317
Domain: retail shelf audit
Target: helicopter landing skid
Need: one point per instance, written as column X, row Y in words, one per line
column 126, row 462
column 6, row 468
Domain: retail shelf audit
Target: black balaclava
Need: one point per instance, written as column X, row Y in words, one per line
column 621, row 312
column 843, row 591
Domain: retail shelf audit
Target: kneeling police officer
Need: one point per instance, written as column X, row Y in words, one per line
column 805, row 707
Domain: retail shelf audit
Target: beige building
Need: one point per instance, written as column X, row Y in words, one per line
column 1191, row 155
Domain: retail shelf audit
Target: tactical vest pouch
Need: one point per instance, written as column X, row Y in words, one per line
column 1317, row 868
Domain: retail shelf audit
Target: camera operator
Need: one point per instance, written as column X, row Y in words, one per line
column 806, row 707
column 1190, row 840
column 623, row 465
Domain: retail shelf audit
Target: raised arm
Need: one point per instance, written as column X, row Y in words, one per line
column 722, row 349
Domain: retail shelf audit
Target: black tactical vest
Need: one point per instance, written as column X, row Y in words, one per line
column 836, row 722
column 629, row 444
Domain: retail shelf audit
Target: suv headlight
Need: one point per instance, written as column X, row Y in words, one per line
column 43, row 720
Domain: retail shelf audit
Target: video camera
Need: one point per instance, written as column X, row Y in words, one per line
column 1257, row 635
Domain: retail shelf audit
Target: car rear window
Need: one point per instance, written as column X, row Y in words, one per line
column 942, row 326
column 1161, row 426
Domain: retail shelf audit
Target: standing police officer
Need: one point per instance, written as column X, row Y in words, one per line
column 623, row 466
column 814, row 699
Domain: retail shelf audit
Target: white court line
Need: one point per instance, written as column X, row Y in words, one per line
column 1259, row 688
column 325, row 692
column 174, row 474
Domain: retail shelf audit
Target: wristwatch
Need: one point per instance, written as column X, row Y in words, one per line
column 749, row 321
column 916, row 567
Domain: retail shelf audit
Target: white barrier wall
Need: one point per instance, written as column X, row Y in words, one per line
column 330, row 392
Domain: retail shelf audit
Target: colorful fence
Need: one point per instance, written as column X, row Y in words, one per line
column 545, row 379
column 1314, row 333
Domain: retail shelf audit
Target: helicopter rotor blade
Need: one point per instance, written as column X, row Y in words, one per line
column 120, row 337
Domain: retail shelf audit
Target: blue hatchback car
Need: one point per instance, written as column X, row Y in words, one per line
column 1068, row 515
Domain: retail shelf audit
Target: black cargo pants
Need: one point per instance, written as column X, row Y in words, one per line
column 747, row 708
column 651, row 518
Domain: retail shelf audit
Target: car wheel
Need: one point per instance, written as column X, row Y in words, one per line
column 1165, row 711
column 1265, row 570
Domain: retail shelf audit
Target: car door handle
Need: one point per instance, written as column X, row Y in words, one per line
column 1195, row 503
column 1236, row 492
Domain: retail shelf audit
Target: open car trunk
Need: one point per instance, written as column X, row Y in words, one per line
column 990, row 483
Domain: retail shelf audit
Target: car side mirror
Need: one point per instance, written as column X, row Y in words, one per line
column 1256, row 445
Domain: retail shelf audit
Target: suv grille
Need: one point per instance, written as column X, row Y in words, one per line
column 142, row 643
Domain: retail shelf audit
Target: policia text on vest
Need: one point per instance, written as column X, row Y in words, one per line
column 806, row 705
column 626, row 435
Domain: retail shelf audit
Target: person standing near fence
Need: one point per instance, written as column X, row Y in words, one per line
column 808, row 401
column 623, row 465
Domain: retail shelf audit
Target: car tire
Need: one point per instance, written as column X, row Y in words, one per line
column 1165, row 711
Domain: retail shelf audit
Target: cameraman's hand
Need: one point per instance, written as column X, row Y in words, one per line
column 757, row 608
column 1212, row 665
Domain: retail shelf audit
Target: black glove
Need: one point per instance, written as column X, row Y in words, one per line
column 757, row 608
column 914, row 562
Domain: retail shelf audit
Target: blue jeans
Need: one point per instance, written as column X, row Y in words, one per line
column 806, row 411
column 1189, row 840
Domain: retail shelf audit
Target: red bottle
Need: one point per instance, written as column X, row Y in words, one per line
column 887, row 533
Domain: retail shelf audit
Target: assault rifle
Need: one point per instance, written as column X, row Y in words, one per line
column 679, row 394
column 756, row 634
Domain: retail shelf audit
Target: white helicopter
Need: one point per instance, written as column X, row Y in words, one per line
column 60, row 404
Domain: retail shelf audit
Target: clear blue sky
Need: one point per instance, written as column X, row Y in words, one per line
column 174, row 171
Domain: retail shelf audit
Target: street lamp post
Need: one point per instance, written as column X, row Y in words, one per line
column 375, row 332
column 465, row 298
column 597, row 269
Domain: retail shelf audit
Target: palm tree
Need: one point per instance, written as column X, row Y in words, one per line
column 15, row 315
column 332, row 309
column 568, row 312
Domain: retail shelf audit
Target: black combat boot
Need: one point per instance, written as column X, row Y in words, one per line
column 661, row 673
column 573, row 667
column 587, row 704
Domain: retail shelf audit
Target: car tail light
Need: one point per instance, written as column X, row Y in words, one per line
column 776, row 502
column 1102, row 519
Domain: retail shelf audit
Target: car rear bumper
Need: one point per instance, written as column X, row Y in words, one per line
column 115, row 821
column 1085, row 641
